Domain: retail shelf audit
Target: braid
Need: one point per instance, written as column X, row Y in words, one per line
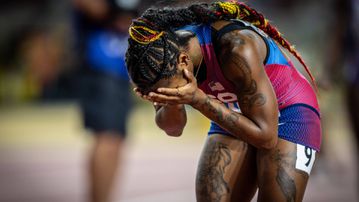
column 154, row 46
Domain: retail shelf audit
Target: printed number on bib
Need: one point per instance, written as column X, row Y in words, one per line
column 305, row 158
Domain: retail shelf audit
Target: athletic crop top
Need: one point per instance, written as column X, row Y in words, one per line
column 290, row 86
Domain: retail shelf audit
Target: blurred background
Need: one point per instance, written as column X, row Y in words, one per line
column 54, row 53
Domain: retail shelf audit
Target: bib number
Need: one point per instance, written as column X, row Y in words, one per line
column 305, row 158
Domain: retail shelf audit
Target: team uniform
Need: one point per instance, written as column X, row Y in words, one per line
column 299, row 117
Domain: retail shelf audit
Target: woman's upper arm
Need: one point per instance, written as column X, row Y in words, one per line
column 244, row 53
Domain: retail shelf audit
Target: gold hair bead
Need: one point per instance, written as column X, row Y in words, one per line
column 135, row 33
column 265, row 22
column 229, row 7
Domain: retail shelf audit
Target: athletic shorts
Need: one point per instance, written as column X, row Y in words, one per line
column 298, row 123
column 105, row 102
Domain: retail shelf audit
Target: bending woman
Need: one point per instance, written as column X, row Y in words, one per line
column 224, row 60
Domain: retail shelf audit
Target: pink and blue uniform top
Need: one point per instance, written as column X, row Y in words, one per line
column 299, row 118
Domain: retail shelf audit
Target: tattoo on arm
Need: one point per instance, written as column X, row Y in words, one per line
column 229, row 118
column 214, row 110
column 240, row 72
column 246, row 85
column 211, row 185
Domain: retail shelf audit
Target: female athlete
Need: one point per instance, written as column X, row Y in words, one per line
column 224, row 60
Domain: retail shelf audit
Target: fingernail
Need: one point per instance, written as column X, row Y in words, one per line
column 155, row 103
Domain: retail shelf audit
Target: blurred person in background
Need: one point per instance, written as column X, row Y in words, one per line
column 224, row 60
column 102, row 30
column 31, row 48
column 343, row 59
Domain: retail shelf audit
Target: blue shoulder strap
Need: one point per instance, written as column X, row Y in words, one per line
column 274, row 54
column 202, row 31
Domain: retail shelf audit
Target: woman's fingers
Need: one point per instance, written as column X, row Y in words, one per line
column 138, row 93
column 169, row 91
column 183, row 89
column 162, row 98
column 180, row 95
column 159, row 104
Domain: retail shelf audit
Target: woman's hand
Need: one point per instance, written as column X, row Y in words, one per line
column 170, row 118
column 139, row 94
column 146, row 97
column 188, row 94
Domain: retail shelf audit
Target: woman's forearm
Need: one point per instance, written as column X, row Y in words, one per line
column 172, row 119
column 235, row 123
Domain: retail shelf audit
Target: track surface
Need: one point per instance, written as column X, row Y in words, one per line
column 43, row 154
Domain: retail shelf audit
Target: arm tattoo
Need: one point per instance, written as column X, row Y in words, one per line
column 247, row 87
column 243, row 81
column 210, row 182
column 214, row 110
column 230, row 119
column 284, row 180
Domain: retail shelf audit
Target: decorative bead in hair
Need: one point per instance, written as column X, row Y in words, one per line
column 229, row 8
column 144, row 35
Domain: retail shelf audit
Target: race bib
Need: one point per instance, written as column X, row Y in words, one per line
column 305, row 158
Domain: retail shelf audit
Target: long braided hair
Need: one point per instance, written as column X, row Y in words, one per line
column 154, row 46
